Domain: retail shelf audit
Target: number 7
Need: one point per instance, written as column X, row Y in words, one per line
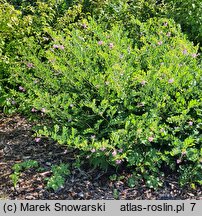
column 193, row 204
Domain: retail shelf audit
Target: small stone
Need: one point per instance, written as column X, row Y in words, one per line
column 81, row 194
column 190, row 194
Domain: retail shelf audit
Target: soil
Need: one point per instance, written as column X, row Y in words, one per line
column 17, row 144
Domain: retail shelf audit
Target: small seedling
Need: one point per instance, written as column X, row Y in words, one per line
column 19, row 168
column 113, row 177
column 57, row 180
column 116, row 194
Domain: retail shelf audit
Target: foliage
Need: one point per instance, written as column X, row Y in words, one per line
column 111, row 78
column 20, row 167
column 116, row 194
column 57, row 180
column 188, row 14
column 54, row 182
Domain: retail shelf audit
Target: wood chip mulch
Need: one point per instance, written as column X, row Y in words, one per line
column 17, row 144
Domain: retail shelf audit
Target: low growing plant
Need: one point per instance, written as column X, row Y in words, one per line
column 57, row 180
column 21, row 167
column 121, row 101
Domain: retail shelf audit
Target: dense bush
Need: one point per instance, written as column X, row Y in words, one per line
column 110, row 78
column 120, row 101
column 30, row 24
column 188, row 14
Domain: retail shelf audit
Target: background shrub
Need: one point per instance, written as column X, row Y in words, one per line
column 188, row 14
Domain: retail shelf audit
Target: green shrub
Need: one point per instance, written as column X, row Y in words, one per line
column 119, row 100
column 124, row 89
column 188, row 14
column 25, row 23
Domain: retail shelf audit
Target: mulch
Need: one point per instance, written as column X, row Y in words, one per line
column 17, row 144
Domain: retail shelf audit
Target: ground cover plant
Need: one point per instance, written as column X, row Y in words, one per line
column 118, row 81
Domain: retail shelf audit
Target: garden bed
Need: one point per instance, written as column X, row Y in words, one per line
column 19, row 145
